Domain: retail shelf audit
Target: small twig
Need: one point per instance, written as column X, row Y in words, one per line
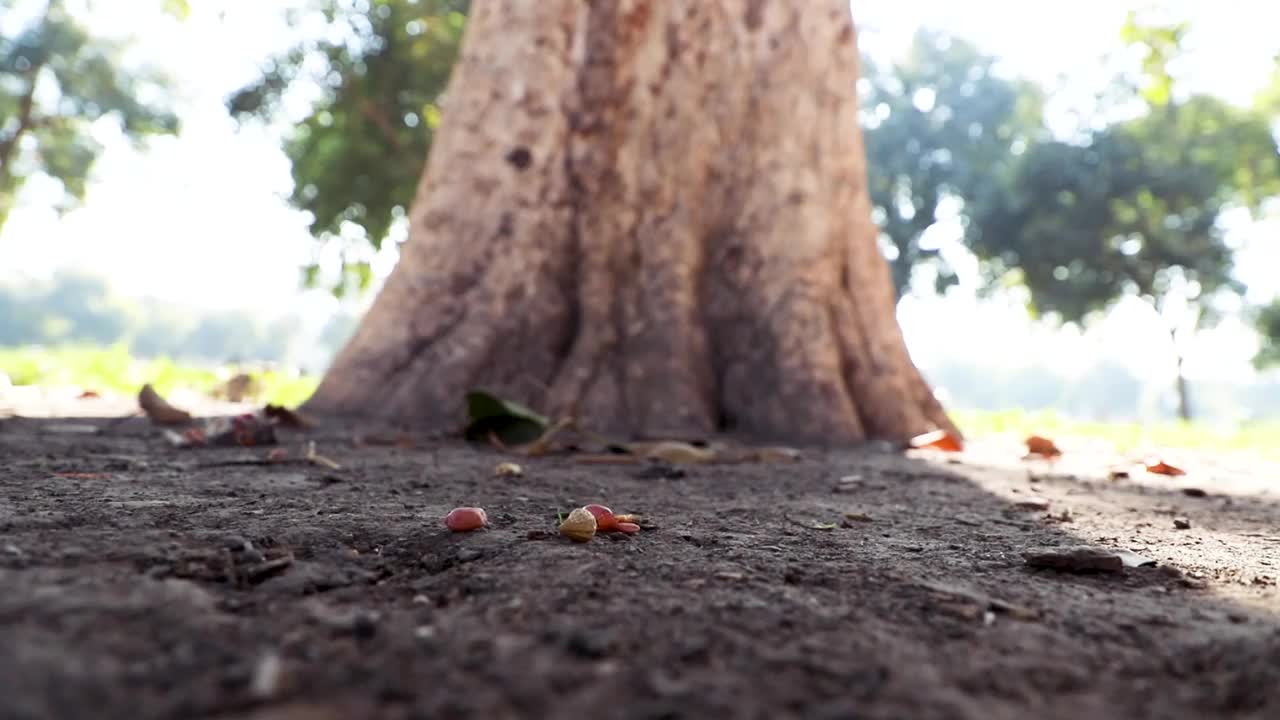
column 496, row 442
column 255, row 574
column 315, row 459
column 252, row 461
column 543, row 443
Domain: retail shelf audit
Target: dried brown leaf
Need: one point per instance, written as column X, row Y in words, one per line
column 158, row 410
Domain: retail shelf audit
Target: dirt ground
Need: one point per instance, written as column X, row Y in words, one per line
column 140, row 581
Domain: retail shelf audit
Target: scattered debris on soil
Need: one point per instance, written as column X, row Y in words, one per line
column 507, row 469
column 158, row 410
column 1041, row 447
column 937, row 440
column 1156, row 466
column 235, row 582
column 1085, row 559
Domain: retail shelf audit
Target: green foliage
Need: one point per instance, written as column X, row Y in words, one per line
column 1268, row 324
column 510, row 422
column 180, row 9
column 1125, row 437
column 114, row 370
column 940, row 122
column 381, row 67
column 1268, row 99
column 1134, row 209
column 56, row 81
column 1159, row 45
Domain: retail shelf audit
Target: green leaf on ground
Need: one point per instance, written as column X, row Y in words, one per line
column 510, row 422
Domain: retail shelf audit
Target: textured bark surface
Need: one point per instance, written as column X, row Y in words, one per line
column 653, row 214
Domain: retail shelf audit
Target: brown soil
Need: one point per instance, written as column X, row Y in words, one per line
column 129, row 591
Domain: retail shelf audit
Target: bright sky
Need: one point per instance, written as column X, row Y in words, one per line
column 200, row 219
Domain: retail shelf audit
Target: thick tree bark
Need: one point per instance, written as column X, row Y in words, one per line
column 652, row 214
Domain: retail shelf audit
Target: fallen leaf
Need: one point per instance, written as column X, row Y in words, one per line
column 1085, row 558
column 286, row 417
column 1134, row 560
column 158, row 410
column 508, row 422
column 1042, row 447
column 89, row 395
column 825, row 526
column 1156, row 466
column 680, row 453
column 937, row 440
column 1079, row 559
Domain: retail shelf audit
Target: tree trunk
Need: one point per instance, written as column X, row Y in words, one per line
column 652, row 214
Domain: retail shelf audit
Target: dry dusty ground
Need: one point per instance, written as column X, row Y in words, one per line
column 138, row 582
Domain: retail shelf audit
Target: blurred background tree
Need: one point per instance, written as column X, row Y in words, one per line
column 1268, row 322
column 56, row 82
column 380, row 68
column 942, row 126
column 1133, row 203
column 1133, row 208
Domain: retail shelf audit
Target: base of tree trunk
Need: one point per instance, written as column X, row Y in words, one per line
column 651, row 215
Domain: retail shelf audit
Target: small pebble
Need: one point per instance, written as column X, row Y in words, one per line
column 1182, row 523
column 266, row 676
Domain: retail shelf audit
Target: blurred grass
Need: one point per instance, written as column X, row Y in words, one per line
column 114, row 370
column 1125, row 436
